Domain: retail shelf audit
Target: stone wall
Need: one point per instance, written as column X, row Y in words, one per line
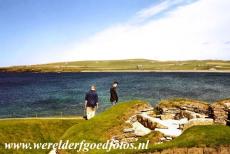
column 220, row 111
column 197, row 122
column 172, row 120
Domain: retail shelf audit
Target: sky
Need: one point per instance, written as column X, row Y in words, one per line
column 44, row 31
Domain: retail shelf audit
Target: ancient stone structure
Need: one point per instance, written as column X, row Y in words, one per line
column 221, row 112
column 196, row 122
column 173, row 118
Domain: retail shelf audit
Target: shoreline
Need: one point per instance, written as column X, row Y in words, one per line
column 124, row 71
column 44, row 118
column 167, row 71
column 125, row 65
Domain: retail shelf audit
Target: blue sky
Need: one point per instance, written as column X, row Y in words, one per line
column 45, row 31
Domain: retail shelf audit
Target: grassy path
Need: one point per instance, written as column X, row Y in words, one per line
column 45, row 118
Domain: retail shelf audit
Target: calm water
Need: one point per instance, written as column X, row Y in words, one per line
column 27, row 94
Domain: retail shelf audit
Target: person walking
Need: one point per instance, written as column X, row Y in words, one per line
column 113, row 93
column 91, row 102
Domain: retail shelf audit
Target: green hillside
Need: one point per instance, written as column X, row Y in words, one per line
column 35, row 130
column 125, row 65
column 100, row 129
column 198, row 136
column 106, row 124
column 111, row 122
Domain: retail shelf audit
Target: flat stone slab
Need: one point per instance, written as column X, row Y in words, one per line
column 171, row 125
column 140, row 130
column 128, row 130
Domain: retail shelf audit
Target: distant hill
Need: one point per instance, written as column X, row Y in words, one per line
column 124, row 65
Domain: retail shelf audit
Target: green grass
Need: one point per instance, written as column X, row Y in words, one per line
column 35, row 130
column 111, row 122
column 124, row 65
column 101, row 128
column 198, row 136
column 105, row 125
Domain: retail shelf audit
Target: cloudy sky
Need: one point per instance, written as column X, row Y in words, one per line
column 45, row 31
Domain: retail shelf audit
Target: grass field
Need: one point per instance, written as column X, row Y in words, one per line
column 198, row 136
column 100, row 129
column 111, row 122
column 125, row 65
column 33, row 130
column 106, row 124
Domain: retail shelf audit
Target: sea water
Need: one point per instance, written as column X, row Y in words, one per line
column 50, row 94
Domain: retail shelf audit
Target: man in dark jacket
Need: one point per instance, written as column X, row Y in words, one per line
column 91, row 102
column 113, row 93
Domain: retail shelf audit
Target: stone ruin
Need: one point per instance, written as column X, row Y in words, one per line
column 220, row 112
column 171, row 120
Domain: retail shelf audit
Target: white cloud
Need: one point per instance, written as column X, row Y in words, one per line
column 195, row 31
column 153, row 10
column 159, row 8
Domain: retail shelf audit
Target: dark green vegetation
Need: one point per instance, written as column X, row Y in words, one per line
column 106, row 124
column 111, row 122
column 125, row 65
column 35, row 130
column 103, row 127
column 198, row 136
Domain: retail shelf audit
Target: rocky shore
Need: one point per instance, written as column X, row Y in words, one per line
column 172, row 117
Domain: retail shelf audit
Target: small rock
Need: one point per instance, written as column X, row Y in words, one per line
column 158, row 116
column 167, row 116
column 227, row 105
column 146, row 110
column 140, row 130
column 181, row 126
column 127, row 135
column 158, row 125
column 129, row 140
column 133, row 119
column 116, row 138
column 115, row 141
column 54, row 151
column 169, row 138
column 128, row 130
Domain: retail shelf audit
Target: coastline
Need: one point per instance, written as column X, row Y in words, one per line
column 123, row 71
column 166, row 71
column 128, row 65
